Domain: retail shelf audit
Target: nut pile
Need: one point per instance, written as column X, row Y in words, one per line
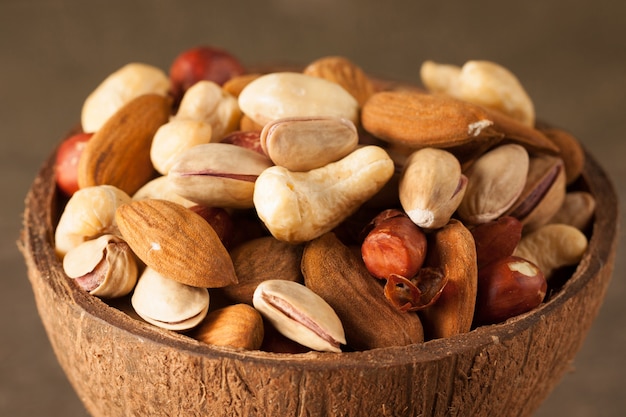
column 318, row 209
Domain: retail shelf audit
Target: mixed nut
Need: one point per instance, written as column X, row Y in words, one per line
column 321, row 209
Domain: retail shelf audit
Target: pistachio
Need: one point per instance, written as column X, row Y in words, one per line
column 119, row 88
column 161, row 188
column 238, row 326
column 552, row 246
column 218, row 174
column 288, row 94
column 175, row 137
column 207, row 102
column 431, row 187
column 300, row 314
column 295, row 205
column 543, row 192
column 104, row 267
column 175, row 242
column 305, row 143
column 495, row 181
column 332, row 270
column 89, row 213
column 167, row 303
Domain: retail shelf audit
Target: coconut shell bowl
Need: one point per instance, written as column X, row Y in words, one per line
column 120, row 365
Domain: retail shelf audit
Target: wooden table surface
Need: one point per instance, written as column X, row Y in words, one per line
column 570, row 56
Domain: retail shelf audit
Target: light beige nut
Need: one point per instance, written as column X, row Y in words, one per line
column 175, row 137
column 290, row 94
column 119, row 88
column 495, row 181
column 259, row 260
column 89, row 213
column 300, row 314
column 176, row 242
column 160, row 188
column 207, row 102
column 344, row 72
column 431, row 187
column 119, row 152
column 218, row 174
column 104, row 267
column 552, row 246
column 543, row 193
column 335, row 272
column 306, row 143
column 239, row 326
column 300, row 206
column 484, row 83
column 167, row 303
column 577, row 210
column 452, row 249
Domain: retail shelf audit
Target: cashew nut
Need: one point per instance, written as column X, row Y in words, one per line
column 300, row 206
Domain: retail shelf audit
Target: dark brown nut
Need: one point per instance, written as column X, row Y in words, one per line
column 239, row 326
column 453, row 250
column 259, row 260
column 334, row 272
column 507, row 288
column 496, row 239
column 395, row 246
column 543, row 193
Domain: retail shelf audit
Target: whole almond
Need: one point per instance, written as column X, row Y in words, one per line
column 416, row 119
column 119, row 152
column 238, row 326
column 176, row 242
column 453, row 250
column 336, row 273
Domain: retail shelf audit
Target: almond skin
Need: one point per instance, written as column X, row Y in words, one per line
column 119, row 152
column 176, row 242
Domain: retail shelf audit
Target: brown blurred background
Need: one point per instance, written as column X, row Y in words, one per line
column 569, row 54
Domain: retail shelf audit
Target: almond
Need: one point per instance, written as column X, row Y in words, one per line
column 176, row 242
column 119, row 152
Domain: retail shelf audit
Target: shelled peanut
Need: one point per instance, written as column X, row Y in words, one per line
column 323, row 208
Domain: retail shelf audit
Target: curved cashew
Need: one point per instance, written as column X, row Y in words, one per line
column 300, row 206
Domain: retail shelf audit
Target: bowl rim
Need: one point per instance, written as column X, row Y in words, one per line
column 38, row 231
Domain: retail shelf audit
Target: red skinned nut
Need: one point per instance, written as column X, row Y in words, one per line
column 395, row 246
column 202, row 63
column 66, row 165
column 496, row 239
column 507, row 288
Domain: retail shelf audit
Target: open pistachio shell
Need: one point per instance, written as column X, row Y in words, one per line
column 167, row 303
column 105, row 267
